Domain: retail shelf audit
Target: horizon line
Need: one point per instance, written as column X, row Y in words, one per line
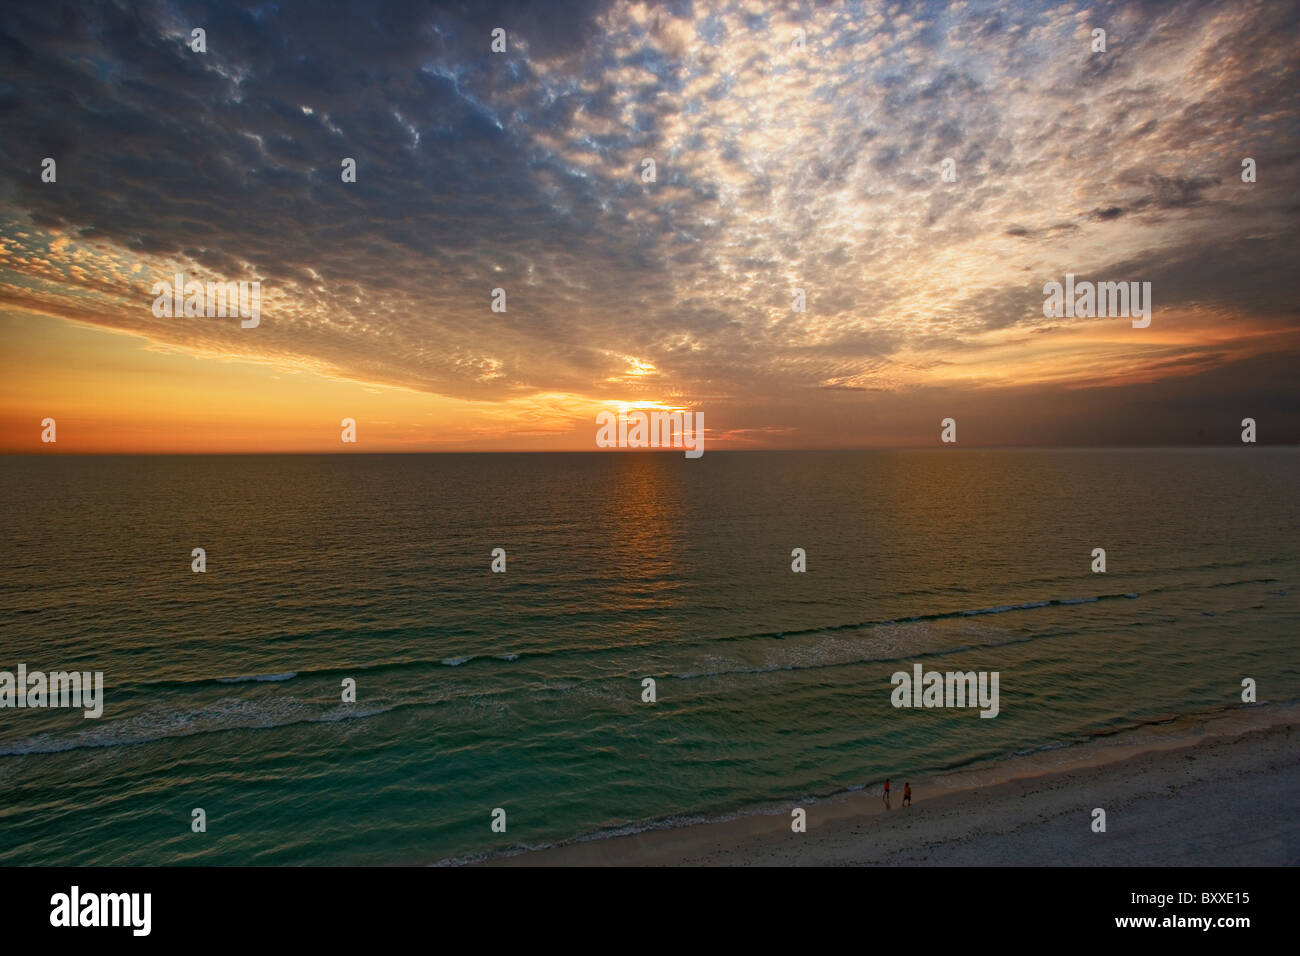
column 634, row 451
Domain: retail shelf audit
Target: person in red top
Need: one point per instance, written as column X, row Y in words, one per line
column 886, row 796
column 907, row 794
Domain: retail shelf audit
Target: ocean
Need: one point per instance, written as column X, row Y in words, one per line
column 523, row 690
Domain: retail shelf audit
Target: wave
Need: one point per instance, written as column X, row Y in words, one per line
column 1003, row 609
column 288, row 675
column 850, row 662
column 227, row 716
column 149, row 687
column 938, row 616
column 490, row 660
column 487, row 660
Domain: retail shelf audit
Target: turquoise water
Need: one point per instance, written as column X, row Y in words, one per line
column 523, row 690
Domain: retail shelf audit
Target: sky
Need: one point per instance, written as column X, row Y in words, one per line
column 796, row 146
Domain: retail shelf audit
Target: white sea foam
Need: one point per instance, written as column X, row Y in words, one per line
column 288, row 675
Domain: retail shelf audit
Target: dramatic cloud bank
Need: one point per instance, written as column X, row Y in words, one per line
column 780, row 166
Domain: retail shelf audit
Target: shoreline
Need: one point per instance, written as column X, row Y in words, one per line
column 1194, row 790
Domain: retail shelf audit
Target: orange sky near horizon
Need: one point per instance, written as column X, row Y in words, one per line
column 115, row 392
column 112, row 392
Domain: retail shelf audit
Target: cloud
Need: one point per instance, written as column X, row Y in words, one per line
column 777, row 169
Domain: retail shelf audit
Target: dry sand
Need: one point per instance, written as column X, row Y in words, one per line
column 1194, row 791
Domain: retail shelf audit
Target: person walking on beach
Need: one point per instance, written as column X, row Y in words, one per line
column 886, row 795
column 907, row 794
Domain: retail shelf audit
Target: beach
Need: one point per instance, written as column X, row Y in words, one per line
column 1217, row 791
